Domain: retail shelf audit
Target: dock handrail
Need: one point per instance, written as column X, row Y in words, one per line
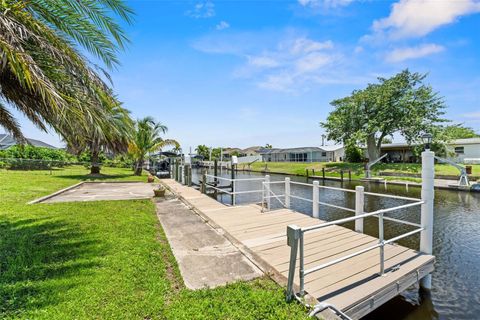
column 295, row 234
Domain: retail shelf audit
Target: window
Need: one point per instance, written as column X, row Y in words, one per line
column 459, row 150
column 324, row 154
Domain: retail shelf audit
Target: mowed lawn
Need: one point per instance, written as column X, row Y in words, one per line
column 105, row 260
column 332, row 169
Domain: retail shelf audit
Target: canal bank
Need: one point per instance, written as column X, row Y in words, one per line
column 456, row 238
column 445, row 184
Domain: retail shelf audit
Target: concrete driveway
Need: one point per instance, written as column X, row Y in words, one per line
column 94, row 191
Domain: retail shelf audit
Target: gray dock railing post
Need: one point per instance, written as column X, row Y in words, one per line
column 293, row 236
column 359, row 207
column 315, row 199
column 287, row 193
column 204, row 183
column 267, row 191
column 428, row 193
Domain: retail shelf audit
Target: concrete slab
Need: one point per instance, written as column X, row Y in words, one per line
column 94, row 191
column 205, row 257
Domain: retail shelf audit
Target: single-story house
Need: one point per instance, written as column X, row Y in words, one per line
column 459, row 150
column 7, row 141
column 304, row 154
column 465, row 150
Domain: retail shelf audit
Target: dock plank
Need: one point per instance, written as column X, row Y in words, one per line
column 353, row 286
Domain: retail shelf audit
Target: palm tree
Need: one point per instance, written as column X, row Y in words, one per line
column 41, row 73
column 147, row 139
column 111, row 134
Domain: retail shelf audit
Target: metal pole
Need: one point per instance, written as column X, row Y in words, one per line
column 267, row 191
column 302, row 266
column 293, row 234
column 315, row 199
column 359, row 207
column 382, row 247
column 287, row 193
column 426, row 236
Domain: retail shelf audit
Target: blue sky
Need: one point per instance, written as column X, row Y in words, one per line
column 242, row 73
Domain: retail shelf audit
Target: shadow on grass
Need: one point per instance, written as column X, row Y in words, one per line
column 87, row 177
column 40, row 260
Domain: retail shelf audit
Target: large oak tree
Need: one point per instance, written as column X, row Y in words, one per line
column 402, row 104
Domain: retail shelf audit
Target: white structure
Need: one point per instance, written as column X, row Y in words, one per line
column 305, row 154
column 465, row 150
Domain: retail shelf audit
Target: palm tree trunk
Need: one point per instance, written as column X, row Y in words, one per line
column 138, row 167
column 95, row 168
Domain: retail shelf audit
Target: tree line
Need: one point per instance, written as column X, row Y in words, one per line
column 44, row 76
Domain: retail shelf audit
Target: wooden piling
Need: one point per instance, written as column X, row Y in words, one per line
column 323, row 173
column 341, row 175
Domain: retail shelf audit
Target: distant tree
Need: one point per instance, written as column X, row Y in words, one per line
column 147, row 138
column 458, row 131
column 268, row 146
column 401, row 104
column 203, row 151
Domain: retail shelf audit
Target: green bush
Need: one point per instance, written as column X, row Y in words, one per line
column 353, row 153
column 29, row 157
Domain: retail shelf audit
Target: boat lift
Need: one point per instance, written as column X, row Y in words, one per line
column 368, row 173
column 463, row 182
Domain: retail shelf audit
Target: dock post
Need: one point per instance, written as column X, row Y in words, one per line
column 359, row 207
column 267, row 191
column 323, row 173
column 306, row 171
column 349, row 175
column 176, row 170
column 341, row 175
column 287, row 193
column 428, row 193
column 232, row 176
column 293, row 235
column 204, row 183
column 315, row 199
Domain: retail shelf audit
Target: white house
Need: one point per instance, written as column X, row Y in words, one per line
column 304, row 154
column 465, row 150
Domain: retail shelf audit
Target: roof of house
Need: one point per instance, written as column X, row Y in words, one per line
column 7, row 140
column 466, row 141
column 302, row 149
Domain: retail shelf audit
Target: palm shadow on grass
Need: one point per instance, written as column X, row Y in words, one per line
column 86, row 177
column 40, row 260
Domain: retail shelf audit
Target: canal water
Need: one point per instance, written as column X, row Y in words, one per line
column 456, row 279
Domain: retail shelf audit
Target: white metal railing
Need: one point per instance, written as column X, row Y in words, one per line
column 212, row 181
column 295, row 234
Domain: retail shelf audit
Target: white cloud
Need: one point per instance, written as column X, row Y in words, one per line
column 203, row 9
column 222, row 25
column 417, row 18
column 324, row 3
column 263, row 62
column 304, row 45
column 402, row 54
column 285, row 61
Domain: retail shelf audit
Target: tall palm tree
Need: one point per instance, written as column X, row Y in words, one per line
column 41, row 73
column 146, row 139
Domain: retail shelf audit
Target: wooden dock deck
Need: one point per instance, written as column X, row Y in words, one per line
column 353, row 285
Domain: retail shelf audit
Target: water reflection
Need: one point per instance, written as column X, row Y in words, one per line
column 456, row 278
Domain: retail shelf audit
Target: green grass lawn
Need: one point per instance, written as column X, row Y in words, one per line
column 332, row 169
column 105, row 260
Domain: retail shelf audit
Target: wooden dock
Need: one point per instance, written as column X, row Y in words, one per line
column 352, row 286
